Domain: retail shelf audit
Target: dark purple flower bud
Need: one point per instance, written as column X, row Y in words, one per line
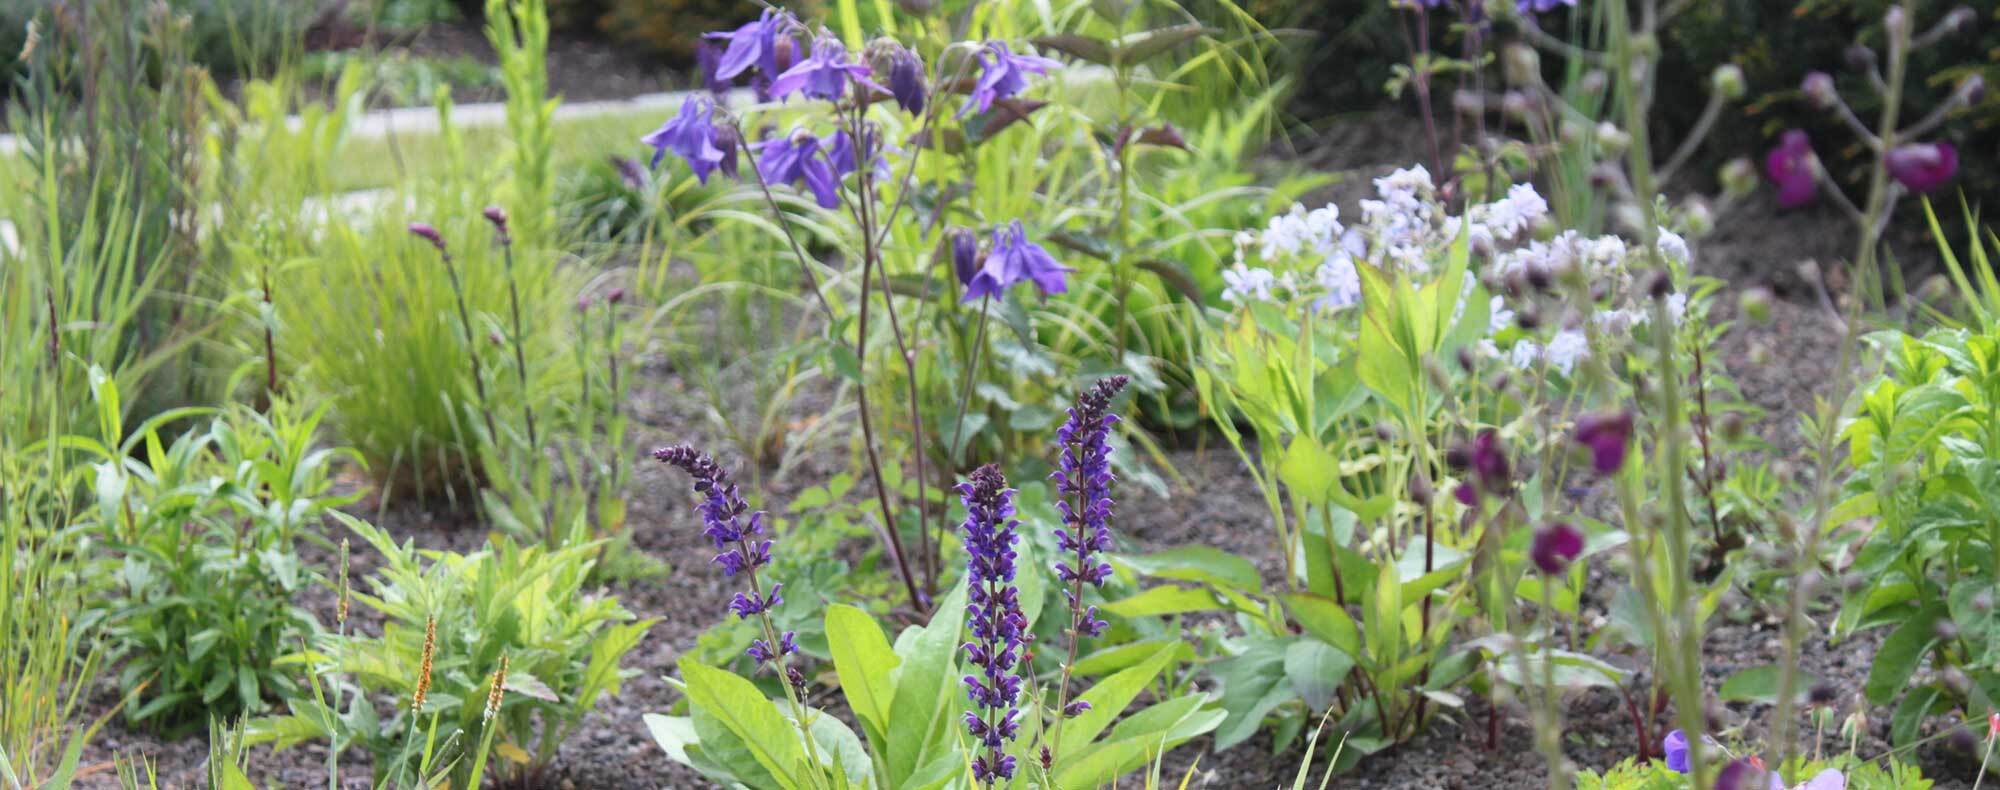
column 1002, row 74
column 498, row 217
column 797, row 157
column 427, row 233
column 824, row 74
column 1075, row 709
column 1012, row 259
column 1922, row 167
column 694, row 137
column 962, row 246
column 583, row 303
column 1555, row 546
column 615, row 296
column 1791, row 166
column 1607, row 434
column 906, row 80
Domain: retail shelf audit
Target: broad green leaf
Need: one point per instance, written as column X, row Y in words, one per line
column 1197, row 564
column 1164, row 599
column 1110, row 697
column 862, row 659
column 1899, row 657
column 922, row 709
column 1326, row 620
column 1136, row 740
column 1253, row 684
column 1316, row 670
column 737, row 705
column 1308, row 470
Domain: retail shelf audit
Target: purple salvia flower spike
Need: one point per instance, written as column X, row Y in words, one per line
column 999, row 630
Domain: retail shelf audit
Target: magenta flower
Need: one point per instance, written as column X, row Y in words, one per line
column 694, row 137
column 427, row 233
column 1555, row 546
column 1922, row 167
column 1791, row 166
column 1002, row 74
column 1484, row 461
column 1013, row 259
column 824, row 74
column 1607, row 435
column 798, row 157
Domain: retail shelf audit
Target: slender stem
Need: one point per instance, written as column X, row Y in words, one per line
column 778, row 213
column 971, row 372
column 783, row 664
column 471, row 346
column 1074, row 632
column 520, row 341
column 1710, row 113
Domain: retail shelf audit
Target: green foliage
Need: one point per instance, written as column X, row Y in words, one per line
column 910, row 703
column 200, row 534
column 526, row 605
column 1925, row 463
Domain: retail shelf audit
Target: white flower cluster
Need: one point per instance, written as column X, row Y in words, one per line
column 1310, row 257
column 1311, row 254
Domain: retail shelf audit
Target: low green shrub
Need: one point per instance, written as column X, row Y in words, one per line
column 454, row 623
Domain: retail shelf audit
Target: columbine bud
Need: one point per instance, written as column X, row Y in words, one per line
column 1945, row 630
column 1612, row 140
column 1982, row 601
column 906, row 76
column 1467, row 360
column 1818, row 88
column 1955, row 679
column 1962, row 740
column 615, row 296
column 1822, row 695
column 1755, row 302
column 1521, row 65
column 1421, row 489
column 1896, row 23
column 963, row 248
column 1727, row 81
column 1859, row 57
column 1738, row 177
column 427, row 233
column 1528, row 319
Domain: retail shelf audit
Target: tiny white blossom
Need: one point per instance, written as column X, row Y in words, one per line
column 1242, row 284
column 1673, row 247
column 1566, row 348
column 1525, row 354
column 1340, row 281
column 1500, row 317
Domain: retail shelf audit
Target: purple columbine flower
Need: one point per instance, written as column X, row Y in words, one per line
column 694, row 136
column 1013, row 259
column 824, row 74
column 1922, row 167
column 1748, row 774
column 1607, row 435
column 1540, row 6
column 797, row 157
column 753, row 44
column 1676, row 749
column 1790, row 166
column 1555, row 546
column 1002, row 74
column 993, row 613
column 723, row 514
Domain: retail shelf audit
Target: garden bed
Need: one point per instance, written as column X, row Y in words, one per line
column 1781, row 365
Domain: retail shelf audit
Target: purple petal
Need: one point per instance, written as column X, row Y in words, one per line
column 1922, row 167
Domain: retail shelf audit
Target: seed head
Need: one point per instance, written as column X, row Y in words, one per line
column 340, row 609
column 497, row 689
column 424, row 669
